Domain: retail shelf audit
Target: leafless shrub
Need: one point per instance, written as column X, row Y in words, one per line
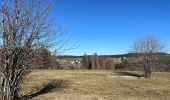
column 25, row 28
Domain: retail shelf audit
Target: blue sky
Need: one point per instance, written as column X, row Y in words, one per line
column 110, row 26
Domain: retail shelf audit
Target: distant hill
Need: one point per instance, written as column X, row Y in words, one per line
column 108, row 56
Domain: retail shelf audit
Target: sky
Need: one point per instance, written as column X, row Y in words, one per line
column 110, row 26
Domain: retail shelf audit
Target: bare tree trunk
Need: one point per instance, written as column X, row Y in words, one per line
column 12, row 76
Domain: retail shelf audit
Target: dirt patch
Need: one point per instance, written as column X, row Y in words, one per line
column 128, row 77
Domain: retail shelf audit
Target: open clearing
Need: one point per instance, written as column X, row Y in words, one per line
column 94, row 85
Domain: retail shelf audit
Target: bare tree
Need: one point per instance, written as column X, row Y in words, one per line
column 25, row 28
column 148, row 49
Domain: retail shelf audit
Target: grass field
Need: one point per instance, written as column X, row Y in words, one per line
column 94, row 85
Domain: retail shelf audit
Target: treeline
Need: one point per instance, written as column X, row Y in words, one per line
column 45, row 59
column 163, row 64
column 97, row 63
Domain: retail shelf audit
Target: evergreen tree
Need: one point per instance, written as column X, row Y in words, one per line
column 45, row 54
column 96, row 61
column 85, row 62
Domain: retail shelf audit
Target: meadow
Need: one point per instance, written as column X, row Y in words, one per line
column 94, row 85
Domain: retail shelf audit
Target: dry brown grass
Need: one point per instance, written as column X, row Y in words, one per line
column 94, row 85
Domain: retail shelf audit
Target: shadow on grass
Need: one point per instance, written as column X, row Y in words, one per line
column 51, row 86
column 131, row 74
